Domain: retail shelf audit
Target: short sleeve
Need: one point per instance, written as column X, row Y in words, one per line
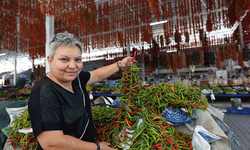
column 51, row 108
column 84, row 76
column 44, row 109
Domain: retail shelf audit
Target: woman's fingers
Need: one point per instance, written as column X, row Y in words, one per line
column 128, row 61
column 105, row 146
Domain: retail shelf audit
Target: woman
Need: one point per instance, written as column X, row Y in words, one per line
column 59, row 104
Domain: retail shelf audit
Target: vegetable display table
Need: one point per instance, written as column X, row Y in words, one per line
column 230, row 95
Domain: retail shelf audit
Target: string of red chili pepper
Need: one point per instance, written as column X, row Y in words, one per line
column 126, row 117
column 240, row 59
column 218, row 61
column 234, row 52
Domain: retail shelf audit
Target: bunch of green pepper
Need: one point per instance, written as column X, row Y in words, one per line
column 121, row 126
column 175, row 96
column 16, row 139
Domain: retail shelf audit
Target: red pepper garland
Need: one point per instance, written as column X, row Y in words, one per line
column 228, row 52
column 218, row 60
column 153, row 4
column 240, row 59
column 174, row 63
column 81, row 17
column 234, row 52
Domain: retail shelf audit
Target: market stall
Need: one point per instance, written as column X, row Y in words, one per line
column 142, row 119
column 202, row 44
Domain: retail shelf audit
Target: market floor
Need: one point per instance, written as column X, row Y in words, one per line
column 239, row 123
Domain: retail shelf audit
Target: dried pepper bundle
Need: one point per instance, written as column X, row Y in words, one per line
column 164, row 59
column 228, row 52
column 174, row 64
column 234, row 52
column 179, row 61
column 183, row 58
column 202, row 57
column 240, row 59
column 218, row 61
column 222, row 56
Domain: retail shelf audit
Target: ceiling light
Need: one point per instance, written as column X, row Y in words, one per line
column 110, row 58
column 171, row 51
column 2, row 54
column 159, row 22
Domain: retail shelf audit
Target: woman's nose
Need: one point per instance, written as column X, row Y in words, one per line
column 72, row 64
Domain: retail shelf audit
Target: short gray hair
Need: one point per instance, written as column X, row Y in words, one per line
column 62, row 39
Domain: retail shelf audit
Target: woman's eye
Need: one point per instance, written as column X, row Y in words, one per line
column 79, row 59
column 63, row 59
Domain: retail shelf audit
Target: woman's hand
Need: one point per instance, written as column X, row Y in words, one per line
column 127, row 61
column 105, row 146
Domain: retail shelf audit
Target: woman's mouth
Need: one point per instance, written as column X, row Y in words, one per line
column 71, row 73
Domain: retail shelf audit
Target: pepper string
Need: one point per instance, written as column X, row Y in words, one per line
column 16, row 139
column 137, row 123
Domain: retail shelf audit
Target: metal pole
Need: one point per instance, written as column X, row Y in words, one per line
column 128, row 51
column 18, row 46
column 14, row 81
column 32, row 69
column 241, row 36
column 143, row 65
column 49, row 34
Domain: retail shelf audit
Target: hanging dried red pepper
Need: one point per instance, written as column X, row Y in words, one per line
column 174, row 64
column 228, row 52
column 234, row 52
column 179, row 60
column 218, row 61
column 222, row 56
column 240, row 59
column 183, row 58
column 202, row 60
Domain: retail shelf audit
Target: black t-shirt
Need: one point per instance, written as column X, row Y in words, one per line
column 52, row 107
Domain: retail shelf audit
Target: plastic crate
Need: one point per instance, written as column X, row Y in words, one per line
column 245, row 111
column 233, row 110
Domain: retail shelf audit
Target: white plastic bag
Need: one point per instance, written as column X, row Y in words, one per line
column 199, row 141
column 14, row 113
column 26, row 130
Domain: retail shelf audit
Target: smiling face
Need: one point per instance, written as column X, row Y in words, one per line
column 66, row 64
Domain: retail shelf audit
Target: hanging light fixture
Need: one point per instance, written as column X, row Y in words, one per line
column 159, row 22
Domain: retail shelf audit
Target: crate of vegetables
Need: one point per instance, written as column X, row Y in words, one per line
column 242, row 92
column 245, row 111
column 229, row 90
column 233, row 110
column 216, row 89
column 204, row 86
